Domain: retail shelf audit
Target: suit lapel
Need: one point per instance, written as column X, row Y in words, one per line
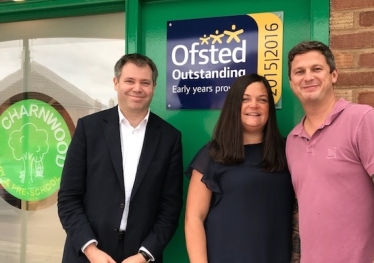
column 151, row 140
column 113, row 138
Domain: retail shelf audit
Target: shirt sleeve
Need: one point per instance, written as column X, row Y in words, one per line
column 88, row 243
column 365, row 137
column 203, row 163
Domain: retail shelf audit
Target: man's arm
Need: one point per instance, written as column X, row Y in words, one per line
column 70, row 196
column 295, row 256
column 365, row 142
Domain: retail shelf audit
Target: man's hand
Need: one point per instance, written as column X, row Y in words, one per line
column 96, row 255
column 138, row 258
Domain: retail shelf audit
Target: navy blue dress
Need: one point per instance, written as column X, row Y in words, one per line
column 250, row 218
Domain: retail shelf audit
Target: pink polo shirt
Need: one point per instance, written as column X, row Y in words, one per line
column 331, row 176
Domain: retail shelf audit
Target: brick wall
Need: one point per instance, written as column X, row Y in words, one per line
column 352, row 41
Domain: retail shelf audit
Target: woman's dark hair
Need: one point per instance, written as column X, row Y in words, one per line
column 227, row 146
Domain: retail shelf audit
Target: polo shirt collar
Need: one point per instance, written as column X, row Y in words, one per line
column 340, row 105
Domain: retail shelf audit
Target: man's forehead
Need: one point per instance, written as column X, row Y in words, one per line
column 312, row 60
column 134, row 70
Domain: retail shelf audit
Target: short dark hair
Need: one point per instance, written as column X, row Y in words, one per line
column 137, row 59
column 307, row 46
column 227, row 145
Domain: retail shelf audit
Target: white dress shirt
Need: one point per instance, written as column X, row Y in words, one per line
column 131, row 145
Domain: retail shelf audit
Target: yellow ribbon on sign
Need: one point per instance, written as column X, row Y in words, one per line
column 270, row 50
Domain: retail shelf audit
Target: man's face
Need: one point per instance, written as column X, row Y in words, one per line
column 134, row 88
column 310, row 77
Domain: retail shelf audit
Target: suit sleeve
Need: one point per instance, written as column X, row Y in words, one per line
column 72, row 190
column 171, row 203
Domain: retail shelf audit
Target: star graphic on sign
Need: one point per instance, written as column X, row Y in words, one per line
column 234, row 34
column 204, row 40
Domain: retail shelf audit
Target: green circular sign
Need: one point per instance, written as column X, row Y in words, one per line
column 34, row 140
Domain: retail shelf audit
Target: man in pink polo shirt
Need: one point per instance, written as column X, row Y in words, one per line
column 330, row 155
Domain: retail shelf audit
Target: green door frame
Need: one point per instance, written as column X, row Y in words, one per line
column 14, row 11
column 44, row 9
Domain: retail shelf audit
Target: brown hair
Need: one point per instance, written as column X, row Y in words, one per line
column 307, row 46
column 139, row 60
column 227, row 144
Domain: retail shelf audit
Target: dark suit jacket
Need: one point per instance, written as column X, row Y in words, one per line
column 91, row 197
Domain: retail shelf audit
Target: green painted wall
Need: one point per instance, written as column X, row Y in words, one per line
column 146, row 33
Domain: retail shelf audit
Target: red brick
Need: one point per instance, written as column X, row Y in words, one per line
column 366, row 19
column 366, row 60
column 355, row 79
column 353, row 41
column 344, row 93
column 350, row 4
column 366, row 97
column 344, row 59
column 341, row 20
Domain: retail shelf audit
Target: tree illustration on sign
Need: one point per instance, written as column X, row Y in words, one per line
column 29, row 144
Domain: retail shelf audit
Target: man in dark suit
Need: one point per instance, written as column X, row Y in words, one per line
column 121, row 187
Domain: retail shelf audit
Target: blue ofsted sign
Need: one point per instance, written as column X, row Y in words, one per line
column 204, row 56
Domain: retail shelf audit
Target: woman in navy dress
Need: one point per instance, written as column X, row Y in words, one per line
column 240, row 197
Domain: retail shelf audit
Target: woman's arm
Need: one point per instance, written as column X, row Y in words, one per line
column 197, row 207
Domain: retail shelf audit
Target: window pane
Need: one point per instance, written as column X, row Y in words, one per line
column 51, row 73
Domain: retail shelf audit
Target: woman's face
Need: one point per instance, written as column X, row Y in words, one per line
column 255, row 108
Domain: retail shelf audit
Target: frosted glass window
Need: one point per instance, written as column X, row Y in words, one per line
column 67, row 63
